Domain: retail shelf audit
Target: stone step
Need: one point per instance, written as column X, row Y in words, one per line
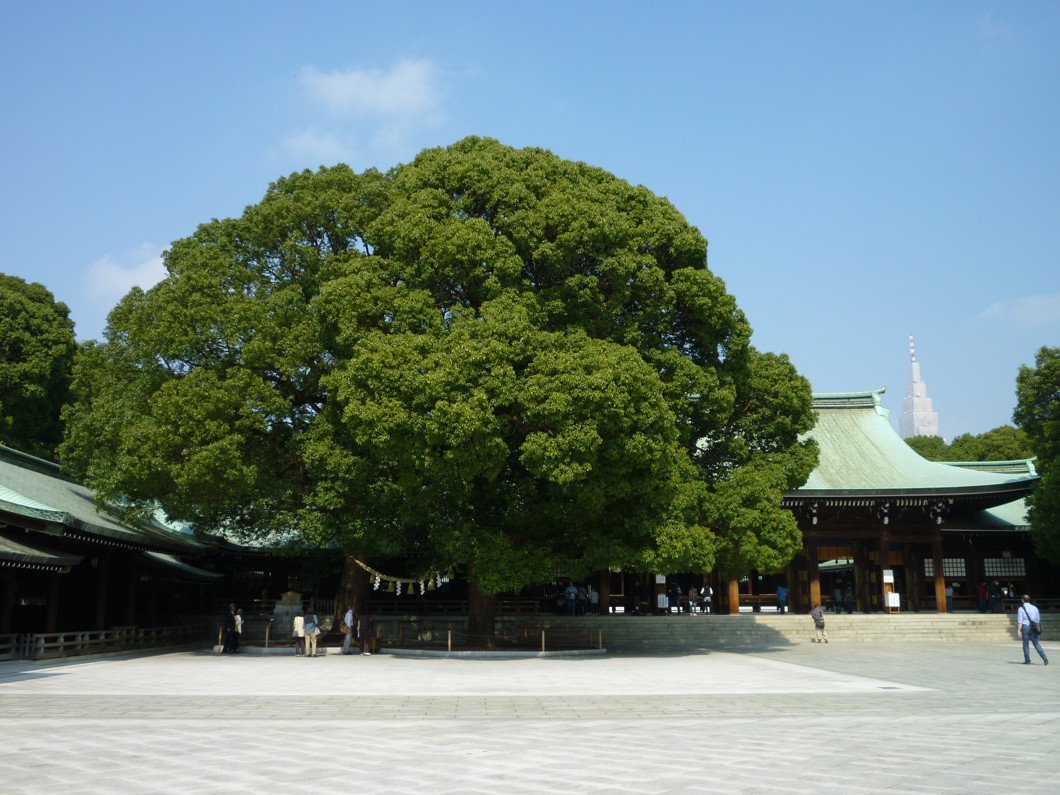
column 638, row 633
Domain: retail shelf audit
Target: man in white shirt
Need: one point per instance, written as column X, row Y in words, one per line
column 1027, row 619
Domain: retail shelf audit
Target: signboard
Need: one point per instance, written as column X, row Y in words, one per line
column 888, row 576
column 893, row 600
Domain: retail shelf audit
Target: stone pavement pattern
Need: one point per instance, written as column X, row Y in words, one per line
column 836, row 718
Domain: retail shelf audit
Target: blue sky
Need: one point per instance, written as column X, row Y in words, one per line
column 861, row 170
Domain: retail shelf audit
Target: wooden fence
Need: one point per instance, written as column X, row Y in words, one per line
column 42, row 646
column 8, row 647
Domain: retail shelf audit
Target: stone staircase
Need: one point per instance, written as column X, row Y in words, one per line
column 718, row 632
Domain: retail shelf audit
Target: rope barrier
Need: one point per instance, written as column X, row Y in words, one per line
column 426, row 582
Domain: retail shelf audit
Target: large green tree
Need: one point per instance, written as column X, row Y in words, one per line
column 37, row 348
column 1038, row 413
column 487, row 358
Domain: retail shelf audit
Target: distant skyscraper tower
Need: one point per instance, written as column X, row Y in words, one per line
column 918, row 418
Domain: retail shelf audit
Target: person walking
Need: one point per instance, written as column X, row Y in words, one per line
column 1029, row 627
column 348, row 630
column 581, row 599
column 571, row 597
column 228, row 630
column 298, row 631
column 364, row 630
column 817, row 614
column 312, row 630
column 239, row 630
column 782, row 598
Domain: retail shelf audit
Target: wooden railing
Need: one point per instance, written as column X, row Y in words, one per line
column 388, row 604
column 757, row 601
column 48, row 645
column 8, row 647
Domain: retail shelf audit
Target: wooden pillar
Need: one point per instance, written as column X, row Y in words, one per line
column 51, row 609
column 604, row 588
column 102, row 578
column 152, row 603
column 884, row 553
column 974, row 562
column 132, row 571
column 940, row 579
column 914, row 577
column 734, row 597
column 813, row 571
column 7, row 601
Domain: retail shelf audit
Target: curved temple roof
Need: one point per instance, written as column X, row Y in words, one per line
column 35, row 492
column 861, row 453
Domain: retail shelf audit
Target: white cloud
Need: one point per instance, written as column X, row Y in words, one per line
column 314, row 146
column 1030, row 310
column 371, row 115
column 108, row 279
column 410, row 88
column 994, row 34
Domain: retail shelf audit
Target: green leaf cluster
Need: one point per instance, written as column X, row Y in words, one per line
column 37, row 349
column 1038, row 414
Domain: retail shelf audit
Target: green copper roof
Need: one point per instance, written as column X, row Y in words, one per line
column 20, row 555
column 181, row 571
column 860, row 451
column 36, row 491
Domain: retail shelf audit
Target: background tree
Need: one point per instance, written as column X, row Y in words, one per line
column 1004, row 443
column 933, row 448
column 1038, row 413
column 488, row 358
column 37, row 348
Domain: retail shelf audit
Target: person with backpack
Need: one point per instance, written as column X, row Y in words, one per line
column 706, row 594
column 1029, row 627
column 817, row 614
column 312, row 630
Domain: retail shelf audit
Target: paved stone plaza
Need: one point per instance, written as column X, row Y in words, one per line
column 836, row 718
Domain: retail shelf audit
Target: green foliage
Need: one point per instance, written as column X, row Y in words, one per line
column 488, row 357
column 37, row 349
column 1038, row 414
column 1004, row 443
column 933, row 448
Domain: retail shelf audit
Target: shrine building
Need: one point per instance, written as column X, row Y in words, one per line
column 898, row 528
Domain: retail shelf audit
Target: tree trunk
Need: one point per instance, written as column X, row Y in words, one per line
column 353, row 589
column 481, row 617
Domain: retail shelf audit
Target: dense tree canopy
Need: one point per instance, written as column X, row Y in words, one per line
column 490, row 358
column 37, row 348
column 1004, row 443
column 1038, row 413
